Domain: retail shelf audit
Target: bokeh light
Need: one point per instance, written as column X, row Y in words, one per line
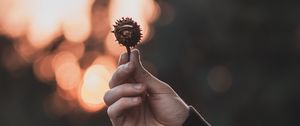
column 94, row 86
column 67, row 70
column 69, row 42
column 219, row 79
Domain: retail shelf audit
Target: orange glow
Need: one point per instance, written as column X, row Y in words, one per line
column 13, row 17
column 52, row 36
column 42, row 70
column 95, row 84
column 68, row 95
column 43, row 20
column 77, row 20
column 77, row 49
column 100, row 25
column 27, row 51
column 44, row 25
column 67, row 70
column 144, row 12
column 112, row 46
column 108, row 61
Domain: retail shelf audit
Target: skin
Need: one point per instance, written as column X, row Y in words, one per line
column 137, row 98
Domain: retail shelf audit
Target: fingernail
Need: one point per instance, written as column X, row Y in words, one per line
column 138, row 86
column 136, row 99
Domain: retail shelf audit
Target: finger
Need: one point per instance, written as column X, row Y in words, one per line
column 117, row 109
column 153, row 84
column 124, row 90
column 121, row 74
column 123, row 59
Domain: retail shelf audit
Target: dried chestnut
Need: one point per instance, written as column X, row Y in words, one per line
column 128, row 33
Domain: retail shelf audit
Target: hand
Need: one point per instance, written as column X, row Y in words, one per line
column 137, row 98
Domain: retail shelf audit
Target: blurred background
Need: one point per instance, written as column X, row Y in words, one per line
column 236, row 62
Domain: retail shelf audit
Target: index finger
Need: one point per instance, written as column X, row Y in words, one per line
column 122, row 73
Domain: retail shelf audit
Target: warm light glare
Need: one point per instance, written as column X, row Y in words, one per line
column 77, row 20
column 41, row 21
column 95, row 84
column 69, row 43
column 42, row 69
column 13, row 17
column 67, row 70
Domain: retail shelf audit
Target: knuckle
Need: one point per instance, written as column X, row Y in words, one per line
column 110, row 112
column 117, row 90
column 110, row 84
column 124, row 90
column 129, row 89
column 106, row 97
column 124, row 101
column 111, row 81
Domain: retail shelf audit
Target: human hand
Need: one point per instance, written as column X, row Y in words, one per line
column 137, row 98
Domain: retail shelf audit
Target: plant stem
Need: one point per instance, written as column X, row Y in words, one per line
column 128, row 52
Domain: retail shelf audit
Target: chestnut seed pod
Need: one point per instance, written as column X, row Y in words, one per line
column 127, row 33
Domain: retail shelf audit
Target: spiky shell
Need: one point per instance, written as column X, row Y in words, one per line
column 127, row 32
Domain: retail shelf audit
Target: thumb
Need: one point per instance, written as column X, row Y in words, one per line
column 141, row 75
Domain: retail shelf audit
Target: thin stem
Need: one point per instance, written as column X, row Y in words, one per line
column 128, row 52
